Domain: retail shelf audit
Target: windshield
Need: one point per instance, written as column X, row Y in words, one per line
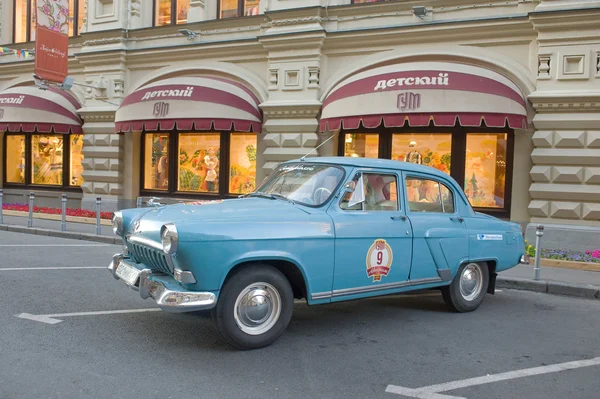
column 308, row 184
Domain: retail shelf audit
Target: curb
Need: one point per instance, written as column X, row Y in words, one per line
column 62, row 234
column 56, row 217
column 550, row 287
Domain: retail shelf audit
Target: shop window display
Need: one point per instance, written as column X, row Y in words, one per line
column 423, row 148
column 162, row 12
column 242, row 161
column 485, row 169
column 21, row 25
column 47, row 159
column 15, row 159
column 76, row 160
column 156, row 168
column 199, row 158
column 361, row 145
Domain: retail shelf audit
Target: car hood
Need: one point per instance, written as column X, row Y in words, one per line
column 243, row 210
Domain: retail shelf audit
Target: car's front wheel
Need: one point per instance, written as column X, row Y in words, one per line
column 254, row 308
column 467, row 290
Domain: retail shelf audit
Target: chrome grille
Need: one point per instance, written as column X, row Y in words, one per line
column 151, row 257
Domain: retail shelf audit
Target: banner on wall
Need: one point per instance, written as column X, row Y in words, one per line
column 52, row 40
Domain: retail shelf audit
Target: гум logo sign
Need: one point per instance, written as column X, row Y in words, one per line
column 1, row 113
column 160, row 110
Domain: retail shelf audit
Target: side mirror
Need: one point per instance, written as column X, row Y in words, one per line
column 350, row 186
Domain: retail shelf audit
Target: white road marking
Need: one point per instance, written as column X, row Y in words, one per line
column 52, row 318
column 55, row 245
column 11, row 269
column 433, row 391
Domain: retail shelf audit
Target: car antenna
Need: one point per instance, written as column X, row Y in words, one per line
column 317, row 147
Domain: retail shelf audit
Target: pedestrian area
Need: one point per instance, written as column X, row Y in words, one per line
column 71, row 331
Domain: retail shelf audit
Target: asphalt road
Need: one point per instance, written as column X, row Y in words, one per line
column 349, row 350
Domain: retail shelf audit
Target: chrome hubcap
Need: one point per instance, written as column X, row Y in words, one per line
column 257, row 308
column 471, row 282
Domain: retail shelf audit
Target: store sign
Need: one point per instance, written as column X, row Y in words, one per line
column 52, row 40
column 409, row 101
column 442, row 79
column 160, row 110
column 1, row 113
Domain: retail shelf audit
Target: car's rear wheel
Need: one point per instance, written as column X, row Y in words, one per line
column 254, row 308
column 468, row 289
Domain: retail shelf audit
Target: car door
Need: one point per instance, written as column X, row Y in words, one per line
column 440, row 236
column 373, row 237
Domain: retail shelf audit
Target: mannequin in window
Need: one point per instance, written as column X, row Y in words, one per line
column 413, row 156
column 212, row 163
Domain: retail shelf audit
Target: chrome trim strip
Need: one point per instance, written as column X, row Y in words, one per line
column 320, row 295
column 372, row 288
column 146, row 241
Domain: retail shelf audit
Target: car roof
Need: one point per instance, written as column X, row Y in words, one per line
column 372, row 163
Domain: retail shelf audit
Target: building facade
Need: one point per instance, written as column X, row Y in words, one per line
column 203, row 98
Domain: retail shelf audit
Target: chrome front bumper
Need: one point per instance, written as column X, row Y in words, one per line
column 168, row 293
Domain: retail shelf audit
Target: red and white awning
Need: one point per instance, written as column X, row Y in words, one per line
column 30, row 109
column 422, row 92
column 190, row 103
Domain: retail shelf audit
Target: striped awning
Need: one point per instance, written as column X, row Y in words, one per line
column 420, row 93
column 190, row 103
column 31, row 109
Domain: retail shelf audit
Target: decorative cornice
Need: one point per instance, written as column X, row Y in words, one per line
column 291, row 110
column 565, row 101
column 292, row 21
column 100, row 115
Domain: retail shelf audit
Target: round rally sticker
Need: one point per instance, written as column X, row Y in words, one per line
column 379, row 259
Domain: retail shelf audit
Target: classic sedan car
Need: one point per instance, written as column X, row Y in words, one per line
column 324, row 229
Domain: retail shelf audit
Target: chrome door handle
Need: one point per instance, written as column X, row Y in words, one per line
column 401, row 217
column 459, row 218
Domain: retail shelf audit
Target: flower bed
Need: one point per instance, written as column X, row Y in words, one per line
column 589, row 256
column 84, row 213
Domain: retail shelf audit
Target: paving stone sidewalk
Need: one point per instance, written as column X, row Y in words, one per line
column 553, row 280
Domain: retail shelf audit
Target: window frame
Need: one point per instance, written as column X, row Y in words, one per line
column 240, row 10
column 30, row 18
column 66, row 172
column 399, row 192
column 458, row 152
column 435, row 179
column 173, row 153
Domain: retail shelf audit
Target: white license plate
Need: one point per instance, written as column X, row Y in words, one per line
column 127, row 273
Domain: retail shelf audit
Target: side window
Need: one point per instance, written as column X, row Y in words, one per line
column 380, row 193
column 426, row 195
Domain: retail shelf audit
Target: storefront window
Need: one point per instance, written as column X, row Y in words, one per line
column 183, row 6
column 242, row 161
column 199, row 158
column 47, row 159
column 361, row 145
column 32, row 21
column 485, row 169
column 156, row 162
column 235, row 8
column 431, row 149
column 76, row 160
column 15, row 159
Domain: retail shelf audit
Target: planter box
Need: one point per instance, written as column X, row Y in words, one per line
column 568, row 264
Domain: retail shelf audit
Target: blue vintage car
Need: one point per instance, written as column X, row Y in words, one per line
column 325, row 229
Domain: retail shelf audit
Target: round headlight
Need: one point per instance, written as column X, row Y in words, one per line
column 168, row 235
column 117, row 223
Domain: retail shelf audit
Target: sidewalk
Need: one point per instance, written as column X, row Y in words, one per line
column 553, row 280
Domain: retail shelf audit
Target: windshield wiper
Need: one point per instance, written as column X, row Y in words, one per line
column 260, row 194
column 269, row 196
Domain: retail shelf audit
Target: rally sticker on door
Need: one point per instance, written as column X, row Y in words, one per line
column 379, row 259
column 489, row 237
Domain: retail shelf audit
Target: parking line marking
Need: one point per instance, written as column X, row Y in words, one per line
column 12, row 269
column 433, row 391
column 52, row 318
column 56, row 245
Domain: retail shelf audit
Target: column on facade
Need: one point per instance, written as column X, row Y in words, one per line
column 290, row 114
column 565, row 193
